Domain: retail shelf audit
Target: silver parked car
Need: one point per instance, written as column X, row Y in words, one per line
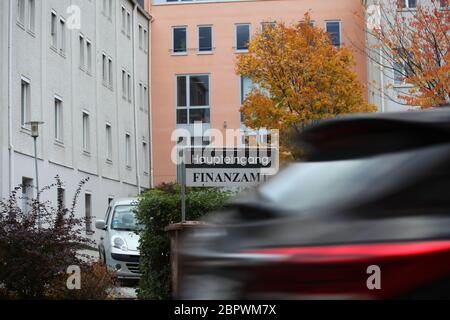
column 119, row 242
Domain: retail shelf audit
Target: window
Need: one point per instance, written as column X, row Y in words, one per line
column 124, row 84
column 86, row 132
column 31, row 14
column 268, row 25
column 110, row 8
column 128, row 150
column 128, row 24
column 246, row 88
column 124, row 19
column 401, row 67
column 179, row 40
column 110, row 73
column 140, row 37
column 27, row 194
column 145, row 40
column 145, row 98
column 193, row 99
column 21, row 11
column 104, row 68
column 89, row 56
column 88, row 212
column 242, row 37
column 25, row 102
column 205, row 39
column 145, row 157
column 58, row 120
column 54, row 30
column 62, row 48
column 61, row 198
column 130, row 93
column 81, row 52
column 334, row 30
column 403, row 4
column 141, row 96
column 108, row 142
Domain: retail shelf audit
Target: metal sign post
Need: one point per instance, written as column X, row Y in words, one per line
column 183, row 191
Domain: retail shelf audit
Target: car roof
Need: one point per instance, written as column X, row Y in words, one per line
column 365, row 135
column 123, row 201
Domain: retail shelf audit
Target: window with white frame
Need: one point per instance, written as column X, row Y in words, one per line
column 62, row 45
column 406, row 4
column 268, row 25
column 124, row 19
column 242, row 36
column 145, row 40
column 130, row 91
column 145, row 98
column 31, row 15
column 401, row 67
column 141, row 96
column 128, row 24
column 86, row 132
column 110, row 73
column 124, row 84
column 193, row 99
column 54, row 29
column 25, row 95
column 89, row 56
column 128, row 150
column 179, row 35
column 333, row 29
column 104, row 69
column 81, row 51
column 205, row 39
column 140, row 37
column 108, row 142
column 246, row 88
column 58, row 121
column 21, row 11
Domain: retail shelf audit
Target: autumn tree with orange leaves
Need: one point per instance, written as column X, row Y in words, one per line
column 414, row 43
column 299, row 78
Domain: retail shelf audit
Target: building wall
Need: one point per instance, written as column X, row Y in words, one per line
column 55, row 73
column 225, row 84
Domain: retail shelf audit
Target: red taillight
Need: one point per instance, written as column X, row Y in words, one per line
column 341, row 270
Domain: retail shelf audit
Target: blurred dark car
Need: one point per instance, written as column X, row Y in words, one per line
column 372, row 198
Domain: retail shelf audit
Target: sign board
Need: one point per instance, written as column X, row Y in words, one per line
column 228, row 167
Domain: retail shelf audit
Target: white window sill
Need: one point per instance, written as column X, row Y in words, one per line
column 241, row 51
column 205, row 53
column 86, row 153
column 59, row 143
column 179, row 53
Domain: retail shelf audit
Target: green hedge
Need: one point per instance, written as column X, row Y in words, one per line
column 157, row 209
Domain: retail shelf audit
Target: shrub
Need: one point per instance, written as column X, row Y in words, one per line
column 34, row 255
column 157, row 209
column 97, row 283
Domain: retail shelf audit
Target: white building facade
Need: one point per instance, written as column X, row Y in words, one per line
column 384, row 75
column 81, row 67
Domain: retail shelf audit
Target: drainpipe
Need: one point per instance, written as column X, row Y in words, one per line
column 10, row 99
column 150, row 101
column 136, row 144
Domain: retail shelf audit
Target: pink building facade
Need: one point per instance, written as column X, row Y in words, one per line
column 194, row 49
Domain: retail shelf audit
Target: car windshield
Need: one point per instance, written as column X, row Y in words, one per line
column 124, row 218
column 344, row 183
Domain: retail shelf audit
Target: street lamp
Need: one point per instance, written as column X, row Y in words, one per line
column 35, row 134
